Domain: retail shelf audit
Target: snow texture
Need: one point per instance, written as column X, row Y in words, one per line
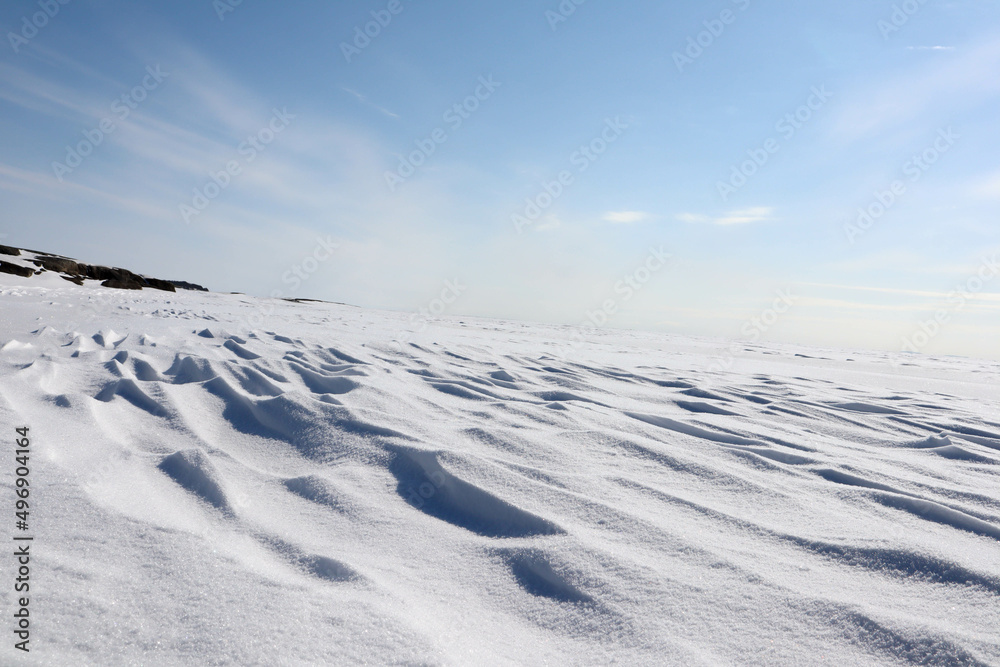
column 309, row 490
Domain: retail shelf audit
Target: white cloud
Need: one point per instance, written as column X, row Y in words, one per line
column 738, row 217
column 364, row 100
column 625, row 217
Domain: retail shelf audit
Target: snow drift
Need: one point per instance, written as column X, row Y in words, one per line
column 308, row 491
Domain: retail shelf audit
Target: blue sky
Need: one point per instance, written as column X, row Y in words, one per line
column 647, row 112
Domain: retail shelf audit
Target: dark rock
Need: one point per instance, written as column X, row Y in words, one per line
column 183, row 284
column 126, row 283
column 76, row 272
column 107, row 273
column 61, row 265
column 17, row 270
column 156, row 283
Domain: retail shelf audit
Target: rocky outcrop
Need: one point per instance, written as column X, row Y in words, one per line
column 164, row 285
column 112, row 277
column 183, row 284
column 122, row 284
column 77, row 272
column 14, row 269
column 59, row 265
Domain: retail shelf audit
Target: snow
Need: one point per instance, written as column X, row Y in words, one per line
column 221, row 480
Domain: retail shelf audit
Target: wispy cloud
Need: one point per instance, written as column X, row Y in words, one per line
column 930, row 48
column 625, row 217
column 985, row 296
column 188, row 131
column 898, row 262
column 741, row 216
column 968, row 77
column 47, row 97
column 364, row 100
column 43, row 186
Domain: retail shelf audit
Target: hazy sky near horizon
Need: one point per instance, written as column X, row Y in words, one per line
column 537, row 159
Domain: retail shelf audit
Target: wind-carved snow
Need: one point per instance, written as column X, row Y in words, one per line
column 311, row 493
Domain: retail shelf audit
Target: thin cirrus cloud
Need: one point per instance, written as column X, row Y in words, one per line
column 969, row 76
column 738, row 217
column 983, row 296
column 190, row 127
column 625, row 217
column 367, row 102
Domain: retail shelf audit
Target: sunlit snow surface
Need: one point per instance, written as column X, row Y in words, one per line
column 223, row 480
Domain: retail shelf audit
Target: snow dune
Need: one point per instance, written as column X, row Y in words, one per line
column 308, row 492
